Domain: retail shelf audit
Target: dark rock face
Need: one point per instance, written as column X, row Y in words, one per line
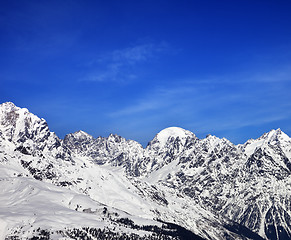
column 275, row 220
column 113, row 150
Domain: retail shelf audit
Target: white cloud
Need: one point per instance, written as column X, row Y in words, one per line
column 134, row 54
column 160, row 98
column 120, row 65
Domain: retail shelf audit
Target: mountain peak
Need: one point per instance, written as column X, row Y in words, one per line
column 173, row 132
column 16, row 117
column 78, row 136
column 212, row 139
column 8, row 106
column 275, row 135
column 82, row 134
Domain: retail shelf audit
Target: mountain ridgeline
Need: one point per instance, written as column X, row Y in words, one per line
column 178, row 187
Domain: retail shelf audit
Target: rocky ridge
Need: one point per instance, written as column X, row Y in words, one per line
column 213, row 188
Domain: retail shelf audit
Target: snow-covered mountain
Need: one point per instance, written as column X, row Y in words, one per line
column 178, row 187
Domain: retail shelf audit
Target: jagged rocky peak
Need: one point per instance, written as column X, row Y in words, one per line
column 78, row 142
column 79, row 136
column 214, row 144
column 114, row 149
column 276, row 136
column 29, row 133
column 116, row 143
column 8, row 106
column 272, row 138
column 19, row 124
column 115, row 138
column 213, row 140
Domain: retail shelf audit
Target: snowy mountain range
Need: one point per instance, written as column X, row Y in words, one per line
column 178, row 187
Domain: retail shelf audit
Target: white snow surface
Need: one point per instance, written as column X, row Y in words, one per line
column 173, row 132
column 27, row 204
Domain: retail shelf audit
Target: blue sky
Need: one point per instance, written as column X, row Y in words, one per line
column 136, row 67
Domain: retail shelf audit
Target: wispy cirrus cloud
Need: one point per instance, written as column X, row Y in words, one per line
column 139, row 53
column 156, row 99
column 280, row 75
column 125, row 64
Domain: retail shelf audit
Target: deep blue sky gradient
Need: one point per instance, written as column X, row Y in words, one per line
column 136, row 67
